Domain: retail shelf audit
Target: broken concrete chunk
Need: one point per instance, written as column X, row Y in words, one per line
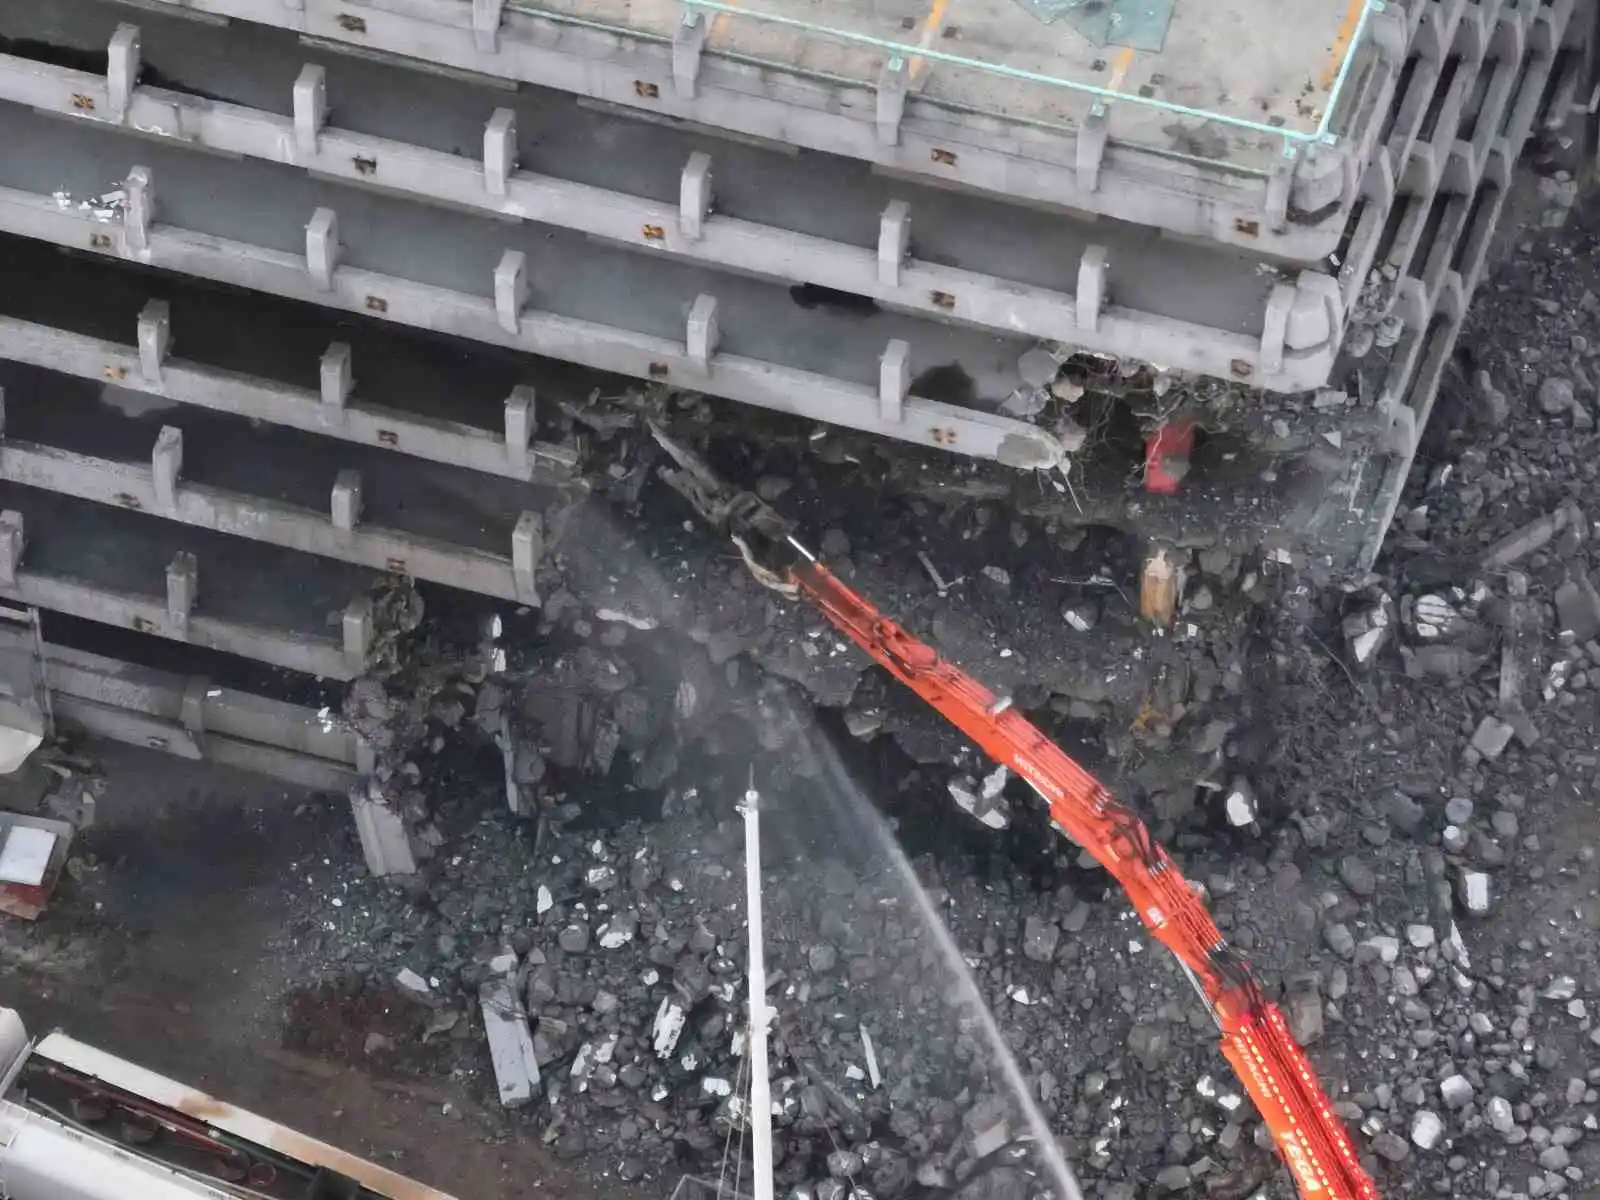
column 1492, row 737
column 1472, row 890
column 670, row 1020
column 574, row 938
column 1578, row 609
column 416, row 986
column 1426, row 1129
column 1039, row 938
column 511, row 1053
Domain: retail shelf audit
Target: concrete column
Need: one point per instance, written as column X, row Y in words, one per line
column 155, row 338
column 12, row 542
column 166, row 466
column 122, row 70
column 1091, row 287
column 511, row 290
column 527, row 548
column 486, row 16
column 688, row 42
column 893, row 82
column 138, row 210
column 894, row 380
column 702, row 333
column 1093, row 132
column 499, row 151
column 345, row 508
column 336, row 376
column 310, row 108
column 183, row 585
column 894, row 241
column 694, row 195
column 521, row 416
column 356, row 629
column 322, row 248
column 1275, row 326
column 385, row 844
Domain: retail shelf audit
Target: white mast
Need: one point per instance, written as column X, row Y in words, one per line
column 760, row 1014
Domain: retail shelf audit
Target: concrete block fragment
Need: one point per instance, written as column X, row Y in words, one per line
column 122, row 69
column 138, row 209
column 183, row 585
column 345, row 508
column 355, row 627
column 505, row 1024
column 1093, row 133
column 310, row 108
column 155, row 338
column 527, row 548
column 893, row 83
column 700, row 337
column 499, row 150
column 336, row 375
column 12, row 542
column 1091, row 297
column 688, row 43
column 521, row 417
column 511, row 290
column 694, row 195
column 385, row 843
column 894, row 380
column 323, row 250
column 486, row 16
column 894, row 241
column 166, row 466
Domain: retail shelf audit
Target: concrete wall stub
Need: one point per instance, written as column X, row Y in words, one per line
column 1093, row 132
column 486, row 15
column 322, row 248
column 155, row 338
column 385, row 844
column 694, row 195
column 345, row 506
column 183, row 587
column 13, row 542
column 122, row 70
column 893, row 82
column 499, row 151
column 894, row 380
column 355, row 628
column 894, row 241
column 521, row 415
column 166, row 466
column 702, row 332
column 2, row 413
column 688, row 43
column 192, row 709
column 1091, row 296
column 138, row 209
column 336, row 374
column 310, row 108
column 511, row 290
column 527, row 548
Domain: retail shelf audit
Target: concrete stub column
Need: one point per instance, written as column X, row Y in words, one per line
column 12, row 542
column 486, row 24
column 310, row 108
column 1091, row 295
column 122, row 69
column 345, row 508
column 521, row 415
column 894, row 241
column 893, row 82
column 694, row 195
column 894, row 380
column 166, row 466
column 1093, row 131
column 192, row 708
column 336, row 375
column 385, row 844
column 155, row 338
column 138, row 209
column 688, row 42
column 1275, row 326
column 355, row 627
column 183, row 587
column 1279, row 184
column 701, row 335
column 499, row 150
column 2, row 413
column 511, row 290
column 527, row 548
column 322, row 248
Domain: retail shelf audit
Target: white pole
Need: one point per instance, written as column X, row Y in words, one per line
column 760, row 1014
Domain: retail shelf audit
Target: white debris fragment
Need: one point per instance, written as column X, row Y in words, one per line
column 1240, row 804
column 715, row 1086
column 871, row 1056
column 1562, row 987
column 854, row 1073
column 670, row 1020
column 505, row 1023
column 1020, row 995
column 1426, row 1129
column 619, row 616
column 504, row 963
column 983, row 802
column 1474, row 891
column 545, row 900
column 414, row 985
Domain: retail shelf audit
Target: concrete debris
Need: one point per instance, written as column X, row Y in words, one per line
column 1492, row 737
column 1367, row 630
column 983, row 800
column 1472, row 890
column 1578, row 609
column 1239, row 803
column 1427, row 1129
column 671, row 1017
column 511, row 1051
column 1040, row 937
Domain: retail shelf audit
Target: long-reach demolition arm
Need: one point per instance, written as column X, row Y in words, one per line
column 1255, row 1037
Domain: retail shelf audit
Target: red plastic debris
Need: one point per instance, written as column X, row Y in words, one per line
column 1166, row 456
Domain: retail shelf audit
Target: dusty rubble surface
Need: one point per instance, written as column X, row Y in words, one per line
column 1418, row 884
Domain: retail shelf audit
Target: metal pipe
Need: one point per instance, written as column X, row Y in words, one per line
column 760, row 1013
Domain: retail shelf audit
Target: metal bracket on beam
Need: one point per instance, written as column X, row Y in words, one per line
column 166, row 466
column 1091, row 295
column 893, row 83
column 521, row 413
column 486, row 16
column 138, row 209
column 511, row 290
column 1093, row 132
column 694, row 195
column 355, row 627
column 336, row 375
column 527, row 548
column 345, row 506
column 13, row 541
column 702, row 333
column 499, row 151
column 310, row 108
column 894, row 241
column 155, row 338
column 894, row 380
column 322, row 248
column 688, row 43
column 122, row 70
column 183, row 586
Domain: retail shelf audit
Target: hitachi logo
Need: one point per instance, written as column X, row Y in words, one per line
column 1300, row 1163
